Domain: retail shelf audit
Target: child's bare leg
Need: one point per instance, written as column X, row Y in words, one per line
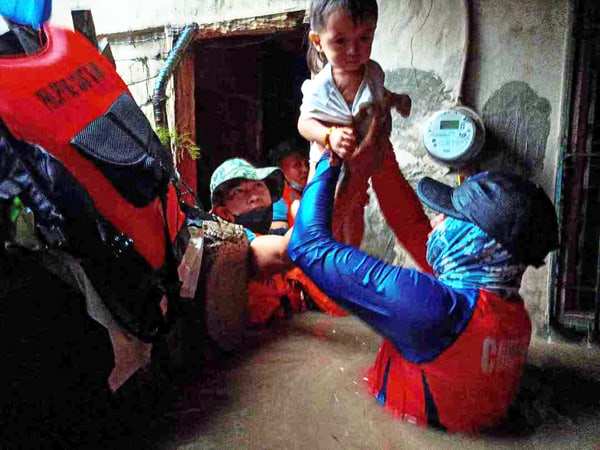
column 401, row 208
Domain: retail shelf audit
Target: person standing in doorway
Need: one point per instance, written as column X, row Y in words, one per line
column 291, row 156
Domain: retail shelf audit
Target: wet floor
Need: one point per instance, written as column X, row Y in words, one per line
column 299, row 384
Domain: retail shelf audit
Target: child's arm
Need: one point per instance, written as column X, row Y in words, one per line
column 341, row 139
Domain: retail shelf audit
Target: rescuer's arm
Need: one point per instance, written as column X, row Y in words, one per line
column 268, row 254
column 418, row 313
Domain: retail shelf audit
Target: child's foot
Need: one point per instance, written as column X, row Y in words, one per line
column 402, row 103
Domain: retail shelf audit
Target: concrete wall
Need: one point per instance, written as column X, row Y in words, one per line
column 140, row 31
column 116, row 16
column 514, row 77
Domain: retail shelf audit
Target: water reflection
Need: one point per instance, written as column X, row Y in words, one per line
column 299, row 384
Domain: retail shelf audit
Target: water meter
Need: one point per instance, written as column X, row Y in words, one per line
column 454, row 136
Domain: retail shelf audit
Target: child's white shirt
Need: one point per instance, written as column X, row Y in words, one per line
column 322, row 100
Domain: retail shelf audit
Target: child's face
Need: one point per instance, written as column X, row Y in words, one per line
column 295, row 169
column 346, row 45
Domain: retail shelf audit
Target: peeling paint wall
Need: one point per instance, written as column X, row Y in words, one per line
column 518, row 126
column 139, row 60
column 514, row 76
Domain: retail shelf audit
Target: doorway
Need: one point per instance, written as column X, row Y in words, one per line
column 247, row 97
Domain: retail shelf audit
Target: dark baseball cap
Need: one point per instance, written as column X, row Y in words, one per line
column 515, row 212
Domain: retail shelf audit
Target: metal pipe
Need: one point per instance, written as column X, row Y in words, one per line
column 159, row 99
column 553, row 283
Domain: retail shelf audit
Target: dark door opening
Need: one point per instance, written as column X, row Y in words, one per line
column 578, row 284
column 247, row 94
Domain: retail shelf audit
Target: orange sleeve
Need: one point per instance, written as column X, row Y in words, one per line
column 402, row 209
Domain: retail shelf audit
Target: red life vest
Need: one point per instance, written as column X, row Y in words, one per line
column 468, row 386
column 265, row 298
column 289, row 195
column 50, row 97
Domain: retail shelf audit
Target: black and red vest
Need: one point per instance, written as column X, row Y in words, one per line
column 67, row 100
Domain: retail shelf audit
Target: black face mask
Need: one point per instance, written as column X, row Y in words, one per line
column 258, row 220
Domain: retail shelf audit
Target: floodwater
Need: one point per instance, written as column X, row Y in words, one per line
column 298, row 384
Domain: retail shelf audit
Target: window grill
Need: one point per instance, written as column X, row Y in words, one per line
column 578, row 281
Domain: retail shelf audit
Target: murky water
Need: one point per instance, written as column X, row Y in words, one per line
column 299, row 384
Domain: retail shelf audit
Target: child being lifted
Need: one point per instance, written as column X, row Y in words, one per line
column 338, row 106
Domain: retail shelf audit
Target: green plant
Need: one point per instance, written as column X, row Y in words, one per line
column 178, row 143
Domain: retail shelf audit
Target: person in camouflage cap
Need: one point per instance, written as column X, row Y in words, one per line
column 244, row 194
column 237, row 171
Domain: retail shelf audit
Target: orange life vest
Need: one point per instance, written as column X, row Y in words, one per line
column 68, row 100
column 49, row 97
column 267, row 298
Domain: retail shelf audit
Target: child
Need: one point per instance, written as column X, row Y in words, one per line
column 338, row 106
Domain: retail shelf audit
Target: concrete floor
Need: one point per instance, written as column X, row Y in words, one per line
column 299, row 384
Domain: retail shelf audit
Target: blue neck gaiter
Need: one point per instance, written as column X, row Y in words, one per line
column 462, row 255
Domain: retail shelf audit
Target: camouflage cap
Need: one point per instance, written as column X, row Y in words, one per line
column 240, row 169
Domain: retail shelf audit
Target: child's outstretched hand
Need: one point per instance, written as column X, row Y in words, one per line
column 342, row 141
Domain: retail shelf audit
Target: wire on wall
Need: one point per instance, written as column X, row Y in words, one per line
column 465, row 55
column 412, row 53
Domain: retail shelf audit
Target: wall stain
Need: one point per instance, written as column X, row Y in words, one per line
column 517, row 122
column 428, row 93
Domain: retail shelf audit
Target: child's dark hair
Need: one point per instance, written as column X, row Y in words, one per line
column 320, row 10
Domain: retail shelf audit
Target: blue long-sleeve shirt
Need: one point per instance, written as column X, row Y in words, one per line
column 418, row 313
